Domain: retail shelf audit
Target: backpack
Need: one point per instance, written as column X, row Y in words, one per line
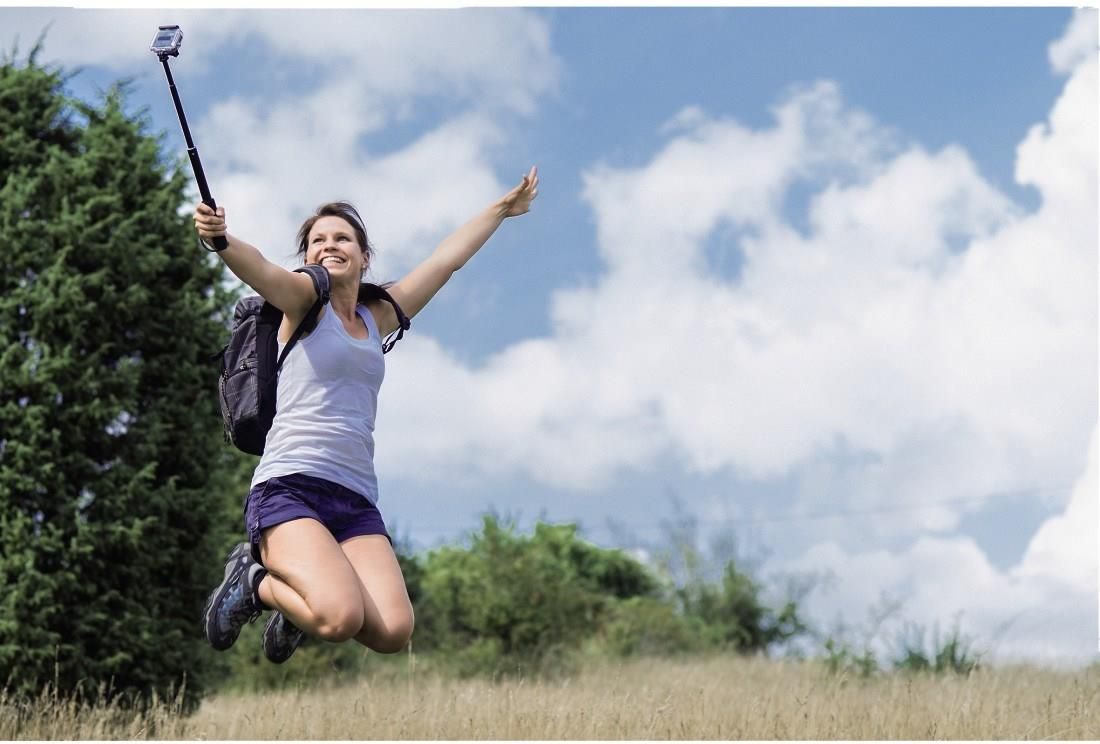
column 251, row 363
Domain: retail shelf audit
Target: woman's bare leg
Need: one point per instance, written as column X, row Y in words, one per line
column 387, row 611
column 310, row 580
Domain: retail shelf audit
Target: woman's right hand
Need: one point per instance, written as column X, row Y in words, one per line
column 209, row 223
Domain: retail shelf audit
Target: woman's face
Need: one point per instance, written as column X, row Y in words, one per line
column 332, row 244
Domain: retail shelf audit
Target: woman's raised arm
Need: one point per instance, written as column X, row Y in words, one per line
column 414, row 291
column 291, row 292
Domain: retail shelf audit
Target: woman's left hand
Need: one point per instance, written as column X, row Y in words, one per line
column 518, row 200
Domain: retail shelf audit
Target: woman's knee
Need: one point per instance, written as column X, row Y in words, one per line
column 394, row 637
column 338, row 622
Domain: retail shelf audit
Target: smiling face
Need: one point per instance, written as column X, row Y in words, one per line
column 334, row 236
column 332, row 243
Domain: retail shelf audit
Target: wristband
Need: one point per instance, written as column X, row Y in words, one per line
column 210, row 249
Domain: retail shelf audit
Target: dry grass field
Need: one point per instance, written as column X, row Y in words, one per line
column 717, row 698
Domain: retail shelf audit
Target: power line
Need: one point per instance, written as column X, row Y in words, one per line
column 802, row 517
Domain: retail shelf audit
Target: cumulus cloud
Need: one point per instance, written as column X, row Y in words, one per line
column 1039, row 268
column 117, row 39
column 1077, row 44
column 1063, row 549
column 924, row 320
column 499, row 56
column 1043, row 608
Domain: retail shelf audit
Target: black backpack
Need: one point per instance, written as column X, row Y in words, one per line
column 251, row 363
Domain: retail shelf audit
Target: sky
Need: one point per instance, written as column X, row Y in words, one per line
column 823, row 281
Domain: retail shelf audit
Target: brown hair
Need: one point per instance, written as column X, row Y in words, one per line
column 344, row 211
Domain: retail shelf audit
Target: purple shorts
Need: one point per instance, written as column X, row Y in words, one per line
column 344, row 512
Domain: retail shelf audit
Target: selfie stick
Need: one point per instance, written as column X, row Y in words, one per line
column 167, row 44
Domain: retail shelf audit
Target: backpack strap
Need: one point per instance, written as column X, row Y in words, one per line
column 368, row 292
column 319, row 275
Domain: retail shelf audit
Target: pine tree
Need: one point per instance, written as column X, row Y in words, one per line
column 112, row 466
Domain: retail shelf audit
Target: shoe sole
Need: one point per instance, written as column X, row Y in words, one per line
column 208, row 625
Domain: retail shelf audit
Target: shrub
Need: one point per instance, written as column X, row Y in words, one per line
column 643, row 626
column 951, row 654
column 510, row 602
column 733, row 615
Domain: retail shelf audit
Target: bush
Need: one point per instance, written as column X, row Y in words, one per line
column 952, row 654
column 643, row 626
column 511, row 603
column 733, row 615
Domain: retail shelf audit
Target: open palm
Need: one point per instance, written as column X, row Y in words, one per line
column 518, row 200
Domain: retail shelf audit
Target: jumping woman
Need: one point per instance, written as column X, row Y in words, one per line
column 318, row 552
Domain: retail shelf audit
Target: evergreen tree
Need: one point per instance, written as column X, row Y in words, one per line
column 112, row 465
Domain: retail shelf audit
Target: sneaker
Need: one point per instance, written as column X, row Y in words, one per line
column 281, row 637
column 235, row 601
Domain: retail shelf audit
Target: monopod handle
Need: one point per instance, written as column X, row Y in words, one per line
column 220, row 243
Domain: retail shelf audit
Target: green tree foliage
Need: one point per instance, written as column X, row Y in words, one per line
column 112, row 466
column 716, row 590
column 733, row 614
column 509, row 602
column 645, row 626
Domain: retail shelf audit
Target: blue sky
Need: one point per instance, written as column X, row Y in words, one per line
column 824, row 277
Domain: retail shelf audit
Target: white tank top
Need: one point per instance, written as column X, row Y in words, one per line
column 326, row 403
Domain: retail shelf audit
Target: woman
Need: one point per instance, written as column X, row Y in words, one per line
column 318, row 551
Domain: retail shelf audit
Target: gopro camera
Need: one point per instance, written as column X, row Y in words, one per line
column 167, row 41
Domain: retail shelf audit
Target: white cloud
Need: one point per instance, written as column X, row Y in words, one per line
column 924, row 320
column 463, row 424
column 500, row 57
column 1037, row 277
column 1064, row 549
column 1078, row 42
column 117, row 39
column 1042, row 608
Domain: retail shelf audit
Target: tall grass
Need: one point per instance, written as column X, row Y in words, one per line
column 714, row 698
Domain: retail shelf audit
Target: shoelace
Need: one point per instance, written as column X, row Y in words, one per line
column 241, row 609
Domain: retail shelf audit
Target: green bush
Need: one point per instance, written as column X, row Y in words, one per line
column 509, row 602
column 953, row 653
column 644, row 626
column 733, row 615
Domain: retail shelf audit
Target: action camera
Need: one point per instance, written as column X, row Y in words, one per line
column 167, row 41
